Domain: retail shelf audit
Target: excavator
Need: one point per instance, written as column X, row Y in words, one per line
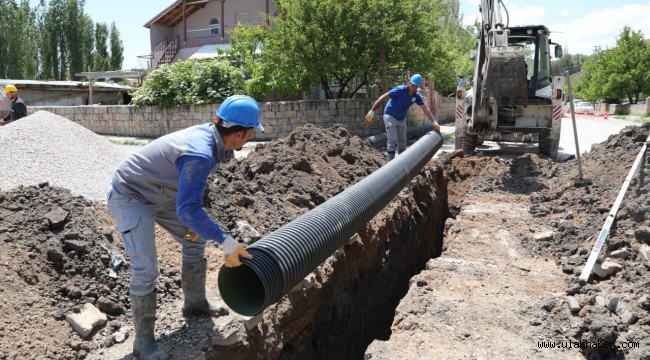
column 513, row 97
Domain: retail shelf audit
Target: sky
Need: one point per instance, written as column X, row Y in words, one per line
column 579, row 25
column 576, row 25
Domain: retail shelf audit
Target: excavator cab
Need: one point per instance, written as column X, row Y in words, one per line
column 514, row 98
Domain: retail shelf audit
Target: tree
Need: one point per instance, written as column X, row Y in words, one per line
column 341, row 45
column 619, row 73
column 17, row 40
column 102, row 59
column 571, row 63
column 189, row 82
column 117, row 50
column 72, row 31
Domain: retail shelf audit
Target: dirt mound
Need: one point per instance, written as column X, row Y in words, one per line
column 287, row 177
column 57, row 252
column 614, row 306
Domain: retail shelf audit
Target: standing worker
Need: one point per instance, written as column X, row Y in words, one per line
column 163, row 183
column 18, row 107
column 400, row 98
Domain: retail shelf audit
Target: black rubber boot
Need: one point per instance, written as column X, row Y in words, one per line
column 391, row 156
column 193, row 282
column 144, row 320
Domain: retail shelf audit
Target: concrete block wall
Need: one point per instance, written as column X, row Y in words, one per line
column 278, row 118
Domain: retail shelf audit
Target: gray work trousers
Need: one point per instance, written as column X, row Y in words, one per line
column 395, row 134
column 135, row 220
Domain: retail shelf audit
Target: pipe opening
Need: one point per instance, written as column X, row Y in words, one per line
column 242, row 289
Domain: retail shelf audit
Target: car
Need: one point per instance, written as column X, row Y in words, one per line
column 584, row 108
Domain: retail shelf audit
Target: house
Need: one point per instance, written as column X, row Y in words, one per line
column 69, row 93
column 194, row 28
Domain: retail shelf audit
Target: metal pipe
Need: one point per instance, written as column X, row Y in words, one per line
column 283, row 258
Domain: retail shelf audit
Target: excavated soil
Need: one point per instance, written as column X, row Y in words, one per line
column 59, row 251
column 507, row 283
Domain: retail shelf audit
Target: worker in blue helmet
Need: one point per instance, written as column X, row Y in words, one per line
column 163, row 183
column 400, row 99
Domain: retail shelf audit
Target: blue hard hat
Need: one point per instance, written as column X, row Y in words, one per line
column 416, row 80
column 240, row 110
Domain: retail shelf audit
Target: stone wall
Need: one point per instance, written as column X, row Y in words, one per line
column 279, row 118
column 625, row 109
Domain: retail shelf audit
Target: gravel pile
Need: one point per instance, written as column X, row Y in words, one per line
column 45, row 147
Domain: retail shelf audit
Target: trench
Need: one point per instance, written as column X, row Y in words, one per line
column 369, row 278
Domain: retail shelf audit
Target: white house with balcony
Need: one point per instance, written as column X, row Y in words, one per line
column 189, row 29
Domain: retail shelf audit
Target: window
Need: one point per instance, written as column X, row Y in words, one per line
column 241, row 18
column 214, row 27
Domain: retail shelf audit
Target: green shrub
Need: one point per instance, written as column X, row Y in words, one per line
column 189, row 82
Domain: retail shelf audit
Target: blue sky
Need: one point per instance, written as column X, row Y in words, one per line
column 580, row 25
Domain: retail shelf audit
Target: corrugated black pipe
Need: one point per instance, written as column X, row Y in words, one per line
column 283, row 258
column 380, row 140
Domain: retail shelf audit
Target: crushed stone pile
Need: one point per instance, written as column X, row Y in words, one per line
column 45, row 147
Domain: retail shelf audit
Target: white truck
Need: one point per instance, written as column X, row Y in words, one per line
column 513, row 97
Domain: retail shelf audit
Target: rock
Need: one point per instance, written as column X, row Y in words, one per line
column 544, row 236
column 120, row 336
column 606, row 268
column 449, row 223
column 79, row 246
column 574, row 305
column 227, row 339
column 620, row 253
column 642, row 235
column 85, row 321
column 612, row 302
column 626, row 315
column 247, row 233
column 108, row 306
column 250, row 322
column 56, row 217
column 644, row 253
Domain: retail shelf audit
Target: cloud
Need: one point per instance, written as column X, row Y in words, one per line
column 580, row 28
column 601, row 27
column 526, row 15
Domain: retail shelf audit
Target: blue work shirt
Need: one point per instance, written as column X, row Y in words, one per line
column 400, row 101
column 176, row 167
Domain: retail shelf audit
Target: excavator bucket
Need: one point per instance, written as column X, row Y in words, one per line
column 505, row 76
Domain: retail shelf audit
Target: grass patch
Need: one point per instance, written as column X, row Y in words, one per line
column 638, row 118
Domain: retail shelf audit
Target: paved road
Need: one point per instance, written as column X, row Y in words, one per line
column 591, row 130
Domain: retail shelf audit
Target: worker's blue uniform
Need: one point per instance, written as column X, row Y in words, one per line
column 163, row 183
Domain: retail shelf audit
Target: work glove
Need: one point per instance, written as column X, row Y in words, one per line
column 233, row 249
column 436, row 126
column 369, row 115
